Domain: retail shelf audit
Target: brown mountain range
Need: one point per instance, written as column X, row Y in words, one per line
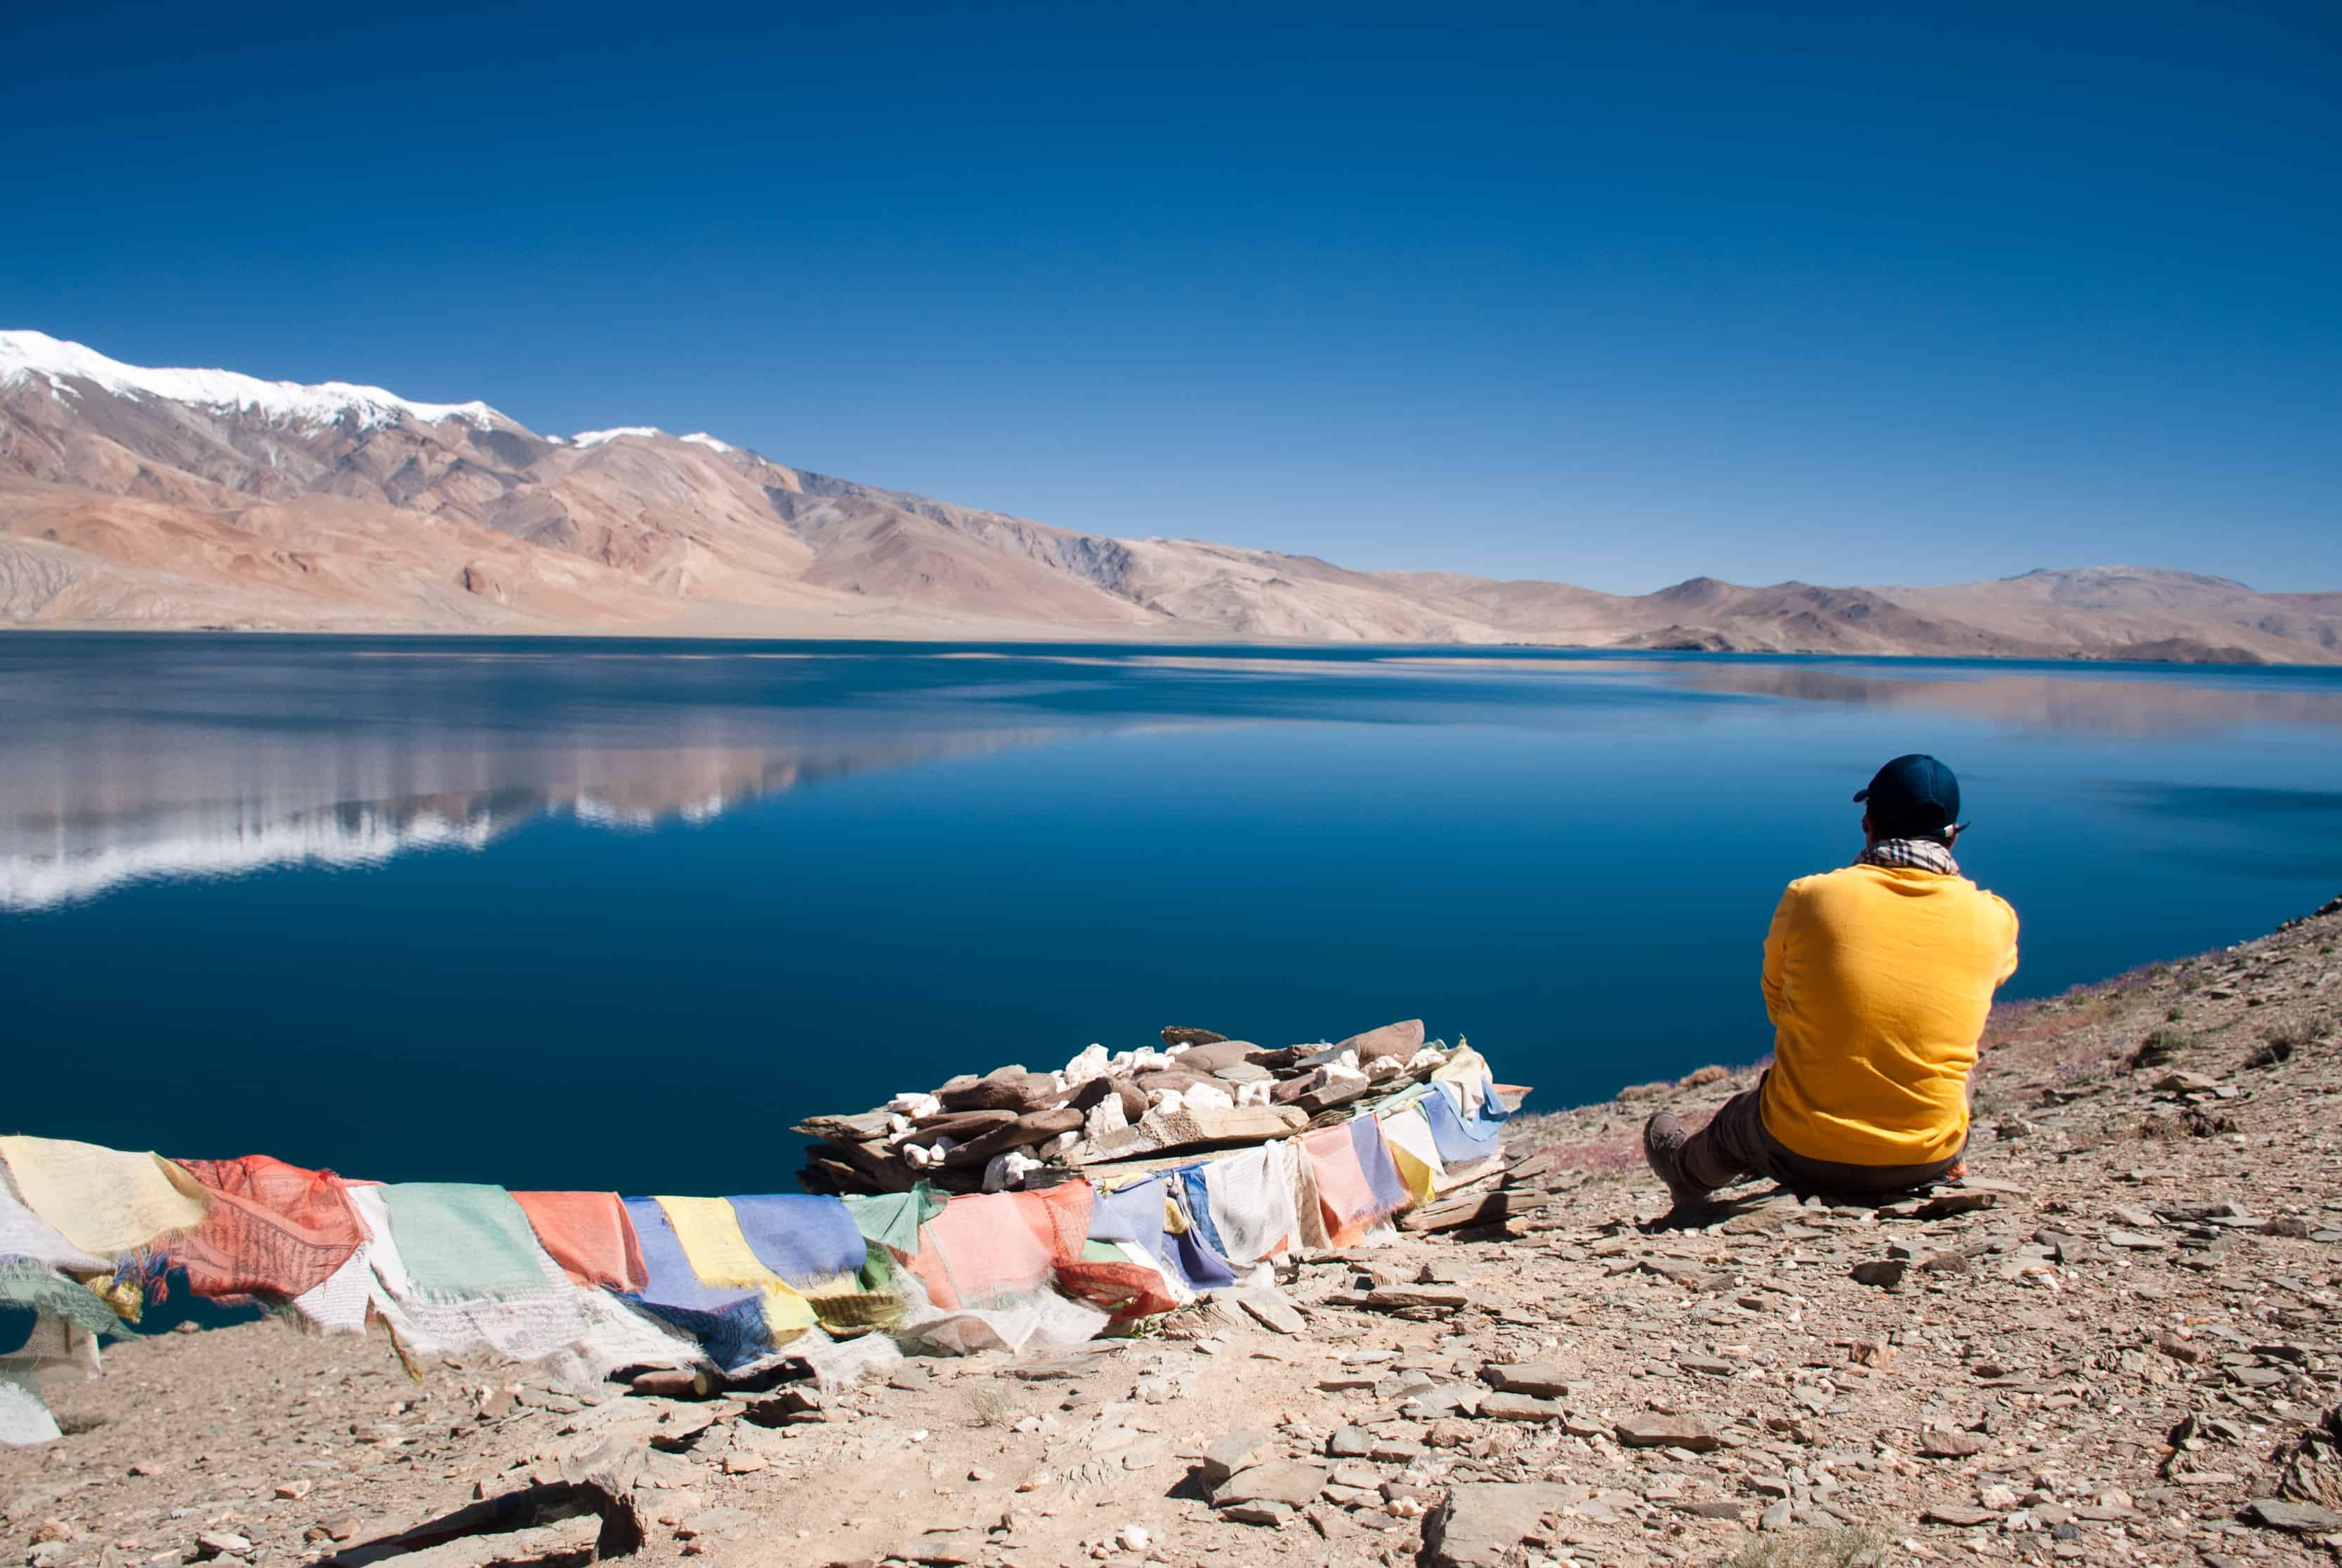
column 187, row 498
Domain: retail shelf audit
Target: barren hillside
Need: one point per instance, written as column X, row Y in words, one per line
column 203, row 498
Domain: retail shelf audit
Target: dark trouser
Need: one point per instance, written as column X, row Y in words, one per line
column 1735, row 1145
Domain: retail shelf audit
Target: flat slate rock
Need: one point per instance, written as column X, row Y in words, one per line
column 2300, row 1518
column 725, row 1522
column 2135, row 1242
column 1536, row 1379
column 1696, row 1432
column 1237, row 1451
column 1710, row 1508
column 1284, row 1480
column 1447, row 1399
column 1470, row 1209
column 1944, row 1205
column 1479, row 1523
column 1962, row 1515
column 862, row 1129
column 1397, row 1298
column 1400, row 1040
column 1272, row 1309
column 1071, row 1363
column 1518, row 1407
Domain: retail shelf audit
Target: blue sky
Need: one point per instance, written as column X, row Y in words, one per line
column 1612, row 294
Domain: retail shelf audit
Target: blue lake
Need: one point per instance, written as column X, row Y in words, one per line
column 614, row 914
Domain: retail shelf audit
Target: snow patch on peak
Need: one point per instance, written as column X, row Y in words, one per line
column 596, row 438
column 27, row 355
column 701, row 438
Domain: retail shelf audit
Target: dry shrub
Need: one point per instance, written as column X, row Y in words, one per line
column 1849, row 1547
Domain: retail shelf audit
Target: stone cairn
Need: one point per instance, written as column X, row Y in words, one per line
column 1014, row 1128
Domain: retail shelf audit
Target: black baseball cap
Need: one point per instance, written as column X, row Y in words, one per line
column 1914, row 795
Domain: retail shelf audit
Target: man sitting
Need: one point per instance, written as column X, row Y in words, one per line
column 1878, row 979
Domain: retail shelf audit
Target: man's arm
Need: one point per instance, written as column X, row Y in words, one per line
column 2008, row 960
column 1777, row 957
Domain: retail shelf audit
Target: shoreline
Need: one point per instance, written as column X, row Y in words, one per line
column 1204, row 641
column 2115, row 1341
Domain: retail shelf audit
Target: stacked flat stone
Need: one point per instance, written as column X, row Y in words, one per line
column 1014, row 1128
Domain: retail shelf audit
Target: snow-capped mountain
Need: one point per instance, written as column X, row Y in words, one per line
column 135, row 496
column 67, row 367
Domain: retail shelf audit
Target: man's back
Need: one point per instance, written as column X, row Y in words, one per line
column 1878, row 980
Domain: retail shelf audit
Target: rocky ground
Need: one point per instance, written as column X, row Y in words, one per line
column 2113, row 1343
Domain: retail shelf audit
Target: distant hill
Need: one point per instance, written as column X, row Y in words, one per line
column 132, row 498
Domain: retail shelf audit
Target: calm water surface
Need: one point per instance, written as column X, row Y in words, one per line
column 615, row 914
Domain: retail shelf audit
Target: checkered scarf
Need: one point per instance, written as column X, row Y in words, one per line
column 1912, row 854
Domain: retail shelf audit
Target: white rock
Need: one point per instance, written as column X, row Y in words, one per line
column 916, row 1104
column 1106, row 1117
column 1006, row 1171
column 1205, row 1097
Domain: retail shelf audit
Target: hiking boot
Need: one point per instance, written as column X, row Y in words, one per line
column 1663, row 1137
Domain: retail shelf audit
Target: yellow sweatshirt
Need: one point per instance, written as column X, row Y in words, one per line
column 1878, row 981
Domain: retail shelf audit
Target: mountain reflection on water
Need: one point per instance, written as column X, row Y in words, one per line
column 133, row 759
column 319, row 804
column 2078, row 699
